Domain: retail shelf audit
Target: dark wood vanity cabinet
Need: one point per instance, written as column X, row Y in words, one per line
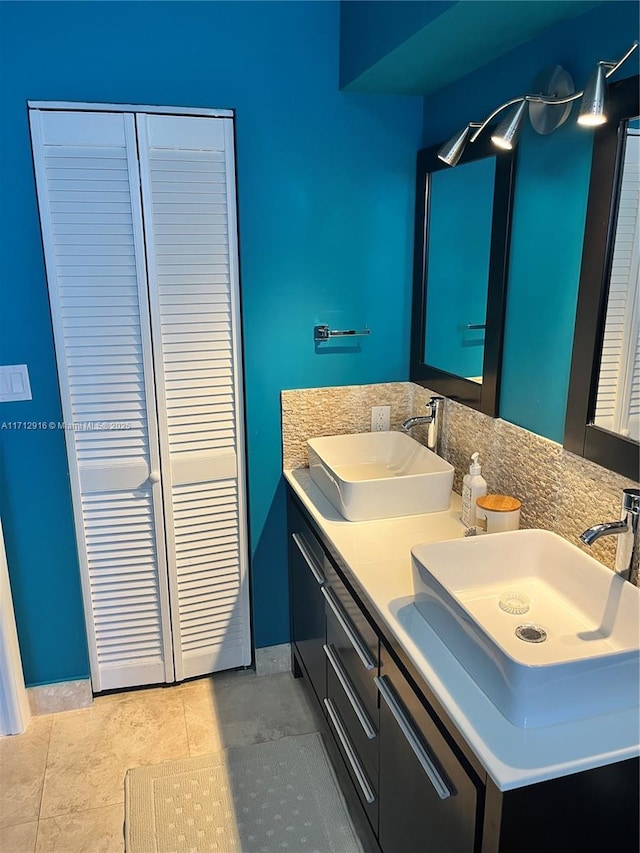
column 407, row 780
column 411, row 781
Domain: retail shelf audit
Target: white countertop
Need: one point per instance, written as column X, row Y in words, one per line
column 378, row 554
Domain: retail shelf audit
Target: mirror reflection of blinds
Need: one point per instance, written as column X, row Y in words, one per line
column 618, row 402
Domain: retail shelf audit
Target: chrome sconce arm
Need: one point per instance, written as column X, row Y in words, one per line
column 545, row 118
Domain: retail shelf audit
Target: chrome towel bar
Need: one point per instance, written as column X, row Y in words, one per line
column 323, row 333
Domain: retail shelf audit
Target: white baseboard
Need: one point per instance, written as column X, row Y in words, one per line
column 63, row 696
column 273, row 659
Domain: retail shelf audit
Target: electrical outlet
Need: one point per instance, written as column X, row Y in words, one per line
column 380, row 418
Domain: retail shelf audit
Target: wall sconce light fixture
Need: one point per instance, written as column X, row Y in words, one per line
column 547, row 109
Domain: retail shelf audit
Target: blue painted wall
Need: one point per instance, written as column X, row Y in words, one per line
column 326, row 207
column 552, row 177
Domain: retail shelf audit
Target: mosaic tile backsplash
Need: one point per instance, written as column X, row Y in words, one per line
column 559, row 491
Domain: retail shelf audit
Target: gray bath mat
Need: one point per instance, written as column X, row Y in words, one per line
column 264, row 798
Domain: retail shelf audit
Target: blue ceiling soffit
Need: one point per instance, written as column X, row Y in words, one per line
column 462, row 37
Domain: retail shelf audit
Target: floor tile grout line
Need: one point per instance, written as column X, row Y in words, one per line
column 46, row 764
column 35, row 845
column 186, row 727
column 119, row 802
column 20, row 823
column 82, row 811
column 46, row 767
column 44, row 778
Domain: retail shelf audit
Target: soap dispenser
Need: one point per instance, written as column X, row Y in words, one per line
column 473, row 487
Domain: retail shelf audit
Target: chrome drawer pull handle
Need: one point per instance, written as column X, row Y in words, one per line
column 441, row 787
column 309, row 560
column 352, row 696
column 365, row 786
column 361, row 650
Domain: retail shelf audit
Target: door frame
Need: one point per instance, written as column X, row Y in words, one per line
column 14, row 702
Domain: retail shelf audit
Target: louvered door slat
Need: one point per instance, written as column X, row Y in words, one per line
column 189, row 202
column 87, row 180
column 194, row 609
column 197, row 569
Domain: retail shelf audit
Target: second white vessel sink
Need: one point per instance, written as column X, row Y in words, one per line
column 379, row 475
column 547, row 632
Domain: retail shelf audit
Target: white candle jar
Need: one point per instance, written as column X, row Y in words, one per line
column 497, row 513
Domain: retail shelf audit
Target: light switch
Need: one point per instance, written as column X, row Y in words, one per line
column 14, row 383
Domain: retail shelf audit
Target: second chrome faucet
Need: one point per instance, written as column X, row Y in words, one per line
column 627, row 532
column 433, row 419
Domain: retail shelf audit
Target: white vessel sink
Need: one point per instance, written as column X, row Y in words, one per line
column 379, row 475
column 476, row 592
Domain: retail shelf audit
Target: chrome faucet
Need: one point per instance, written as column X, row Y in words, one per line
column 434, row 419
column 627, row 532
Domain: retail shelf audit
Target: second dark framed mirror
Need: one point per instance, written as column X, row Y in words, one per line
column 461, row 256
column 603, row 406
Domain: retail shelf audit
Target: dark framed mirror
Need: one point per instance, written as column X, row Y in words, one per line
column 603, row 404
column 461, row 256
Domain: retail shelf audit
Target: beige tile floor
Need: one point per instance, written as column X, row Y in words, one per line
column 62, row 781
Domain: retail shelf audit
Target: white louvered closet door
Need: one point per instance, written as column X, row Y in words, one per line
column 88, row 194
column 188, row 188
column 139, row 228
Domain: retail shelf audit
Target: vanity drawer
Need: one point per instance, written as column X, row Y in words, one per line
column 353, row 639
column 360, row 726
column 358, row 761
column 360, row 675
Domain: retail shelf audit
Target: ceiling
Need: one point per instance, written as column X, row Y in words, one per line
column 418, row 48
